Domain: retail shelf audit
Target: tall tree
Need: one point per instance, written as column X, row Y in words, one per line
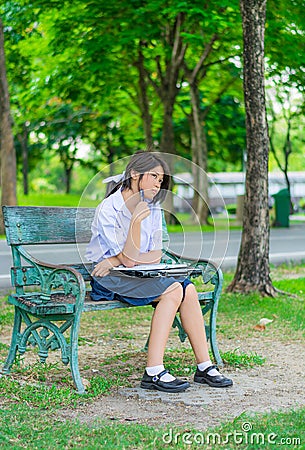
column 253, row 271
column 7, row 149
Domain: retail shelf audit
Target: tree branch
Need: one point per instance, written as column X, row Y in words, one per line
column 218, row 61
column 177, row 37
column 179, row 49
column 273, row 151
column 157, row 88
column 159, row 69
column 203, row 57
column 70, row 118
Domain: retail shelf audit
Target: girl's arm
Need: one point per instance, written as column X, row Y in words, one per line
column 102, row 268
column 131, row 255
column 152, row 257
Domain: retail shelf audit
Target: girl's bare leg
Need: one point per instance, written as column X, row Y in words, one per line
column 161, row 323
column 193, row 324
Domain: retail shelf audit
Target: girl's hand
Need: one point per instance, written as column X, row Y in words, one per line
column 102, row 268
column 141, row 212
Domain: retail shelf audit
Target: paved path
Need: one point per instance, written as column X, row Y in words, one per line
column 286, row 244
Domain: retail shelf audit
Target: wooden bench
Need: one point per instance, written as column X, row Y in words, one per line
column 49, row 299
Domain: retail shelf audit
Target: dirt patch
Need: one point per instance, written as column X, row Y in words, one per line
column 278, row 384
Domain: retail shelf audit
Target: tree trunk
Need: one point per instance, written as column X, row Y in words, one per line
column 167, row 144
column 68, row 174
column 199, row 159
column 7, row 150
column 168, row 89
column 167, row 93
column 23, row 140
column 144, row 103
column 253, row 271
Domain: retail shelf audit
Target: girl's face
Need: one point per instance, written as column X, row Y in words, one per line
column 151, row 182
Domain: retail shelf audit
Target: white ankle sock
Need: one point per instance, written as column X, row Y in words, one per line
column 151, row 371
column 204, row 365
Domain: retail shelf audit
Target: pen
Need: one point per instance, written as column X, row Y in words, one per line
column 142, row 195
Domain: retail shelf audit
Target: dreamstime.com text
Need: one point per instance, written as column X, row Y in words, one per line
column 245, row 436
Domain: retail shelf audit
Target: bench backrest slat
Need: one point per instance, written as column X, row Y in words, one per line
column 47, row 225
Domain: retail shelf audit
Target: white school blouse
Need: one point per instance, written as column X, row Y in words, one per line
column 111, row 224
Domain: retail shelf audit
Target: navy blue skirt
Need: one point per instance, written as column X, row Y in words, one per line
column 133, row 290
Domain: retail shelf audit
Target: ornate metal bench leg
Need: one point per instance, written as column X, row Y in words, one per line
column 182, row 334
column 14, row 342
column 74, row 356
column 146, row 344
column 213, row 339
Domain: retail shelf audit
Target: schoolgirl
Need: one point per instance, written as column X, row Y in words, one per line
column 127, row 230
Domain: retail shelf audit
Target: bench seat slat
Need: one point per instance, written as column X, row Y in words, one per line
column 104, row 305
column 30, row 304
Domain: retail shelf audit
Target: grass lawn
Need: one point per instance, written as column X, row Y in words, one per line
column 33, row 397
column 53, row 199
column 26, row 427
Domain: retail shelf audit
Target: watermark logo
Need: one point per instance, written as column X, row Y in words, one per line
column 246, row 436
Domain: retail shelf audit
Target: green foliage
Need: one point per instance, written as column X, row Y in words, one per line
column 39, row 391
column 24, row 427
column 296, row 286
column 181, row 362
column 284, row 428
column 48, row 199
column 36, row 394
column 231, row 208
column 7, row 313
column 73, row 73
column 243, row 312
column 239, row 359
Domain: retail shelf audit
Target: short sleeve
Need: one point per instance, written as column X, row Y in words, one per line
column 108, row 233
column 112, row 236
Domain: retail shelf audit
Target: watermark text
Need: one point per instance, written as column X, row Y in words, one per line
column 245, row 435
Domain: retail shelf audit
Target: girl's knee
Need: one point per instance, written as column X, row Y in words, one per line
column 174, row 293
column 191, row 293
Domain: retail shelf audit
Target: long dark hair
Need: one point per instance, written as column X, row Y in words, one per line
column 141, row 162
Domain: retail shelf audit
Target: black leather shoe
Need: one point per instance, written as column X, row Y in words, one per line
column 154, row 382
column 202, row 376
